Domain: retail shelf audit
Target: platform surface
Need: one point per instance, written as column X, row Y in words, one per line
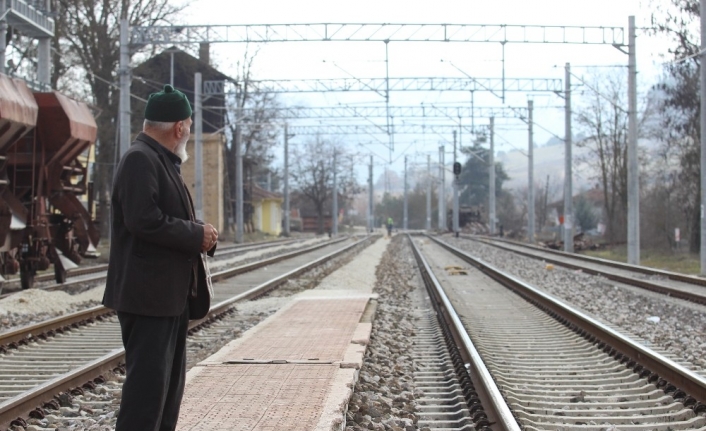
column 293, row 371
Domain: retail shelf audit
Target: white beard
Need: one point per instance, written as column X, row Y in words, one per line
column 180, row 150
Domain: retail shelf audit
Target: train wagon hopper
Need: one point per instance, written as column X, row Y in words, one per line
column 18, row 119
column 46, row 176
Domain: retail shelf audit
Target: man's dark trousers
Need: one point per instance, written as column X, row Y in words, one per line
column 155, row 355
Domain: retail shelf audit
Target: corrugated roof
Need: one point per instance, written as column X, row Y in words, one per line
column 258, row 194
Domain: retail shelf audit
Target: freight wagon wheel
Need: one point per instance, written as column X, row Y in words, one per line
column 59, row 274
column 27, row 279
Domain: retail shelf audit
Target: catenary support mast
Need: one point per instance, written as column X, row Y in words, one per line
column 633, row 172
column 530, row 174
column 198, row 146
column 491, row 178
column 429, row 183
column 286, row 181
column 568, row 185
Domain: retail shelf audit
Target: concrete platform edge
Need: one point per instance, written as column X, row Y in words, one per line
column 333, row 416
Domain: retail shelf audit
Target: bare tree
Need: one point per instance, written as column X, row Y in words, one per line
column 312, row 172
column 604, row 121
column 252, row 112
column 547, row 194
column 88, row 39
column 512, row 216
column 679, row 105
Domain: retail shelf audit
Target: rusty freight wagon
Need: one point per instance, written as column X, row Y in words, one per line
column 42, row 220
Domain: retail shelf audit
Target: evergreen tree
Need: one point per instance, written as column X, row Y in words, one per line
column 474, row 177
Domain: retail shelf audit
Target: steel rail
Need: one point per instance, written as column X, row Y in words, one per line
column 22, row 404
column 263, row 288
column 48, row 327
column 651, row 362
column 30, row 400
column 648, row 285
column 620, row 265
column 86, row 270
column 27, row 333
column 499, row 414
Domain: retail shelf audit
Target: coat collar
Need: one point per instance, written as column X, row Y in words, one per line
column 171, row 169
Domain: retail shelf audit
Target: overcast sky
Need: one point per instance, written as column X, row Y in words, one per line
column 424, row 59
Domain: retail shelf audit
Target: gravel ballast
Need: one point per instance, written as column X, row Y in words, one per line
column 384, row 396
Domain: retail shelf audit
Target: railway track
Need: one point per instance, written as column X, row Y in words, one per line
column 79, row 277
column 669, row 283
column 43, row 360
column 537, row 363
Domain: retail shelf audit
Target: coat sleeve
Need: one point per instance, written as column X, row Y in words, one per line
column 138, row 195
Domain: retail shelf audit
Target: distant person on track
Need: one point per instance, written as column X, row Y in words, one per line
column 158, row 278
column 389, row 226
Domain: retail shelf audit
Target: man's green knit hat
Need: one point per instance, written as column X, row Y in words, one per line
column 168, row 106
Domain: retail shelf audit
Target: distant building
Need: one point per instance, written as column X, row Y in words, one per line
column 150, row 77
column 306, row 212
column 267, row 215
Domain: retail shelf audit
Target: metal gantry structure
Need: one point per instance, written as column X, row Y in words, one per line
column 386, row 33
column 382, row 86
column 34, row 21
column 452, row 112
column 376, row 32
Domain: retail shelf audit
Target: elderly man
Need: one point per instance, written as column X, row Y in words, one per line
column 157, row 276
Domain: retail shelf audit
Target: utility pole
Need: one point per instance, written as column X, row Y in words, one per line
column 371, row 216
column 286, row 180
column 198, row 146
column 124, row 72
column 429, row 181
column 404, row 219
column 703, row 139
column 171, row 69
column 491, row 177
column 530, row 175
column 238, row 179
column 633, row 172
column 442, row 189
column 334, row 229
column 3, row 31
column 568, row 174
column 455, row 191
column 44, row 62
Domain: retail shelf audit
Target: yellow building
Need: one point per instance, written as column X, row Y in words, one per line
column 267, row 216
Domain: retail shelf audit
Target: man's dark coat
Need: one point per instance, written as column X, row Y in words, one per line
column 156, row 242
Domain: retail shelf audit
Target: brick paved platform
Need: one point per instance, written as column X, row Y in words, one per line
column 294, row 371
